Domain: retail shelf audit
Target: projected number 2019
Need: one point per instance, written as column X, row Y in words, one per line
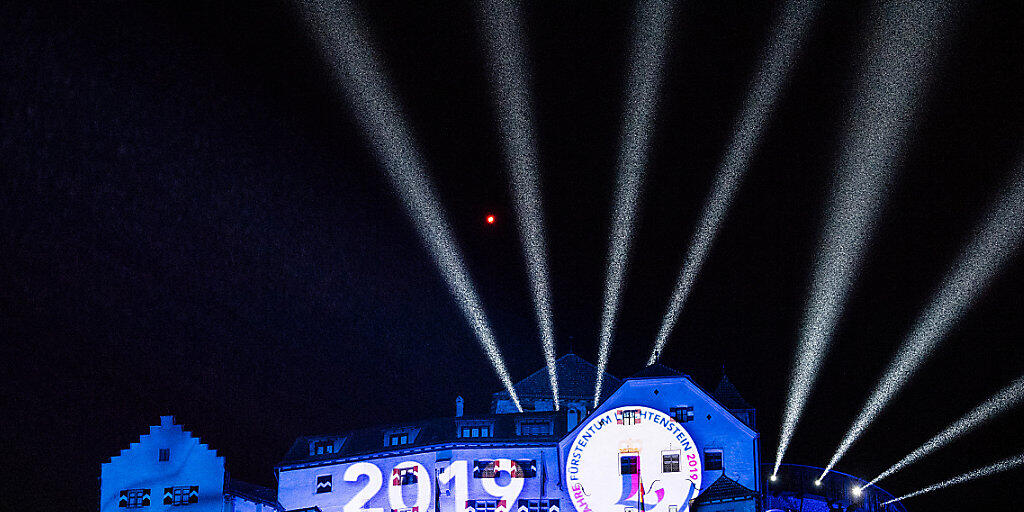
column 455, row 477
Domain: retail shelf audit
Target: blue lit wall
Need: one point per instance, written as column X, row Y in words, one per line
column 369, row 482
column 190, row 463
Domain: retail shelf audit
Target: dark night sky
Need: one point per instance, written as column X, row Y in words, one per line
column 192, row 224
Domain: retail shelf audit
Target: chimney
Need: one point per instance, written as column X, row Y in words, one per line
column 166, row 421
column 458, row 406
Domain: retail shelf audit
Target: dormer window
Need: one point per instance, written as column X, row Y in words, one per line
column 400, row 436
column 165, row 454
column 471, row 429
column 476, row 431
column 324, row 447
column 535, row 428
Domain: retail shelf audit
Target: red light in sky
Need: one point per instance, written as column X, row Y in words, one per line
column 490, row 219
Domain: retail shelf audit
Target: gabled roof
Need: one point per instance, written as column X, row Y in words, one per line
column 368, row 441
column 656, row 370
column 729, row 396
column 724, row 489
column 577, row 378
column 252, row 492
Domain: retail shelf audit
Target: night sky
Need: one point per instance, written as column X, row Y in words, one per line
column 193, row 224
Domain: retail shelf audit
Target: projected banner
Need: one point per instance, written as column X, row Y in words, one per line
column 633, row 457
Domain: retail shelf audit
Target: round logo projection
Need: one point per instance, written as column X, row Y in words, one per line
column 633, row 459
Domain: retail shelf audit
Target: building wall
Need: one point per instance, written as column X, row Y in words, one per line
column 190, row 463
column 297, row 487
column 712, row 427
column 241, row 504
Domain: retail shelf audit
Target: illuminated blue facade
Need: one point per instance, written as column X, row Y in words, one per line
column 507, row 460
column 169, row 468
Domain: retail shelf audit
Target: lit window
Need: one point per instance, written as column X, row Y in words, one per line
column 323, row 447
column 484, row 505
column 628, row 464
column 133, row 498
column 627, row 417
column 182, row 495
column 682, row 414
column 535, row 428
column 323, row 484
column 713, row 460
column 670, row 461
column 524, row 468
column 398, row 439
column 406, row 476
column 538, row 505
column 165, row 454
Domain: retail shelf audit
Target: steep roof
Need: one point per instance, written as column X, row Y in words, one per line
column 729, row 396
column 577, row 378
column 252, row 492
column 656, row 370
column 366, row 441
column 724, row 489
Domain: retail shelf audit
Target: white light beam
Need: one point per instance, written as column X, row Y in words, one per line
column 511, row 91
column 776, row 63
column 651, row 23
column 998, row 467
column 350, row 55
column 994, row 242
column 892, row 83
column 1008, row 398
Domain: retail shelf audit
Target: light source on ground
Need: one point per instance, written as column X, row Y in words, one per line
column 338, row 28
column 892, row 82
column 994, row 242
column 510, row 89
column 652, row 19
column 775, row 65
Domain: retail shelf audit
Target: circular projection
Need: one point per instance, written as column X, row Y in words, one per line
column 633, row 459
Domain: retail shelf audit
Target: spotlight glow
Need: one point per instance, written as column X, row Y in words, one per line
column 652, row 20
column 510, row 88
column 1008, row 398
column 994, row 242
column 776, row 63
column 893, row 72
column 998, row 467
column 350, row 55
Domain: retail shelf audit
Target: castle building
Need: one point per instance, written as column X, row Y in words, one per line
column 657, row 442
column 169, row 468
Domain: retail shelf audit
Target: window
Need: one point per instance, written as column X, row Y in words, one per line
column 323, row 484
column 682, row 414
column 398, row 438
column 323, row 447
column 406, row 475
column 535, row 428
column 627, row 417
column 713, row 460
column 627, row 464
column 476, row 431
column 539, row 505
column 133, row 498
column 483, row 505
column 182, row 495
column 165, row 454
column 524, row 468
column 670, row 461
